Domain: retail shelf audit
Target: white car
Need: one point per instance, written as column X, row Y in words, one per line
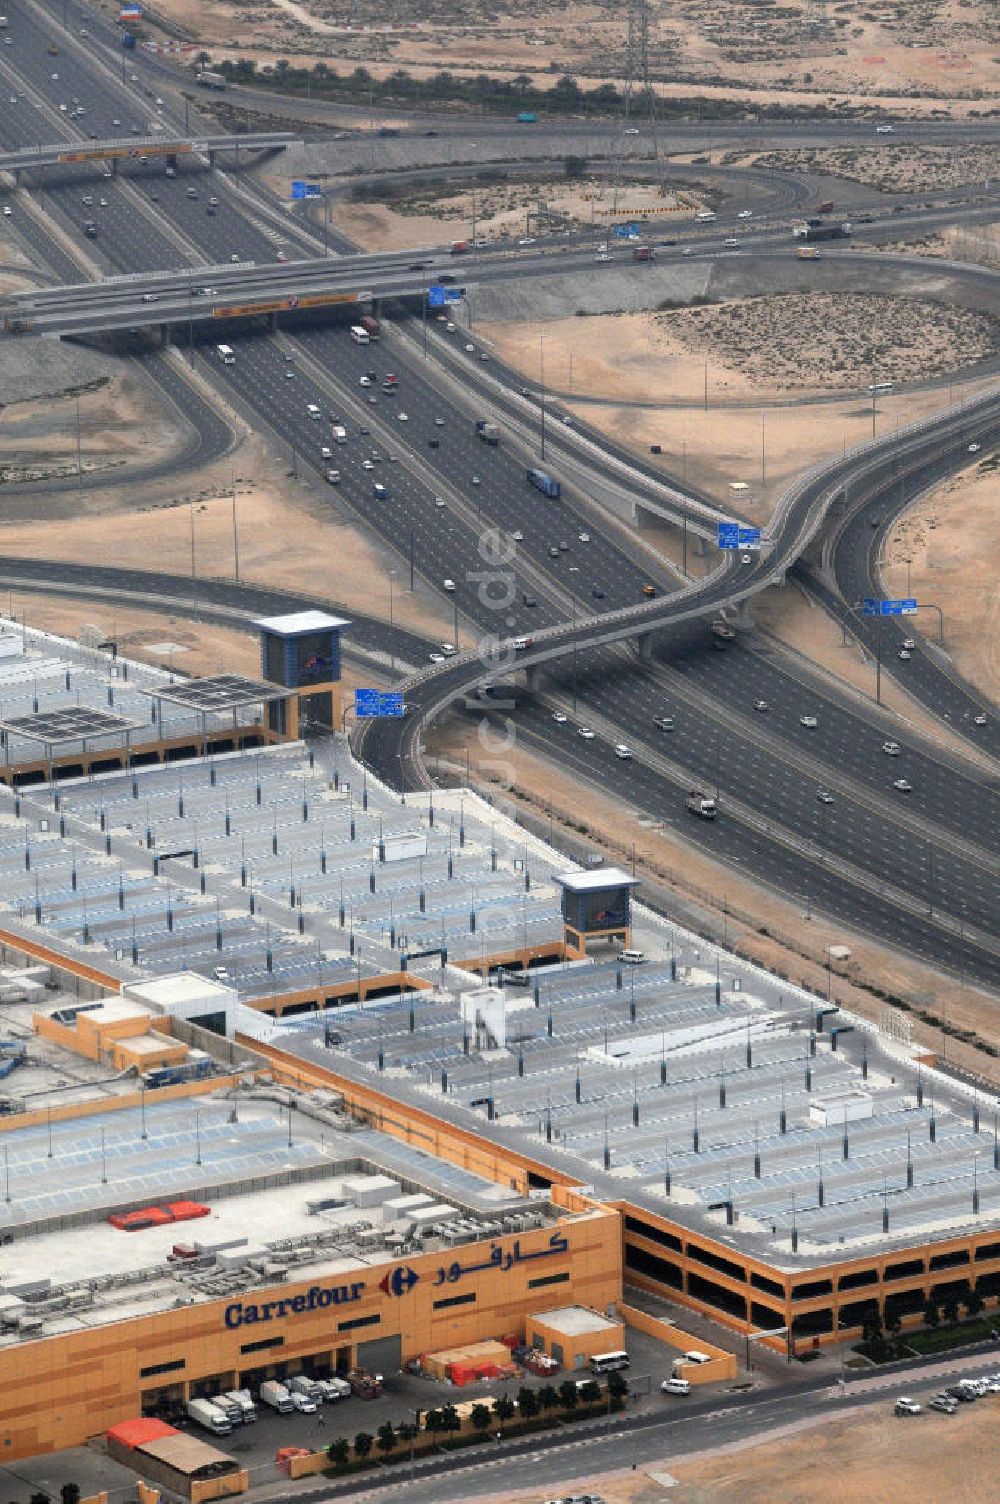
column 604, row 256
column 7, row 211
column 436, row 657
column 762, row 706
column 903, row 785
column 630, row 130
column 470, row 349
column 808, row 720
column 449, row 585
column 234, row 257
column 824, row 796
column 688, row 250
column 623, row 751
column 449, row 649
column 974, row 448
column 403, row 417
column 367, row 465
column 439, row 502
column 891, row 749
column 116, row 123
column 910, row 643
column 745, row 214
column 979, row 720
column 476, row 481
column 365, row 381
column 883, row 130
column 517, row 535
column 438, row 422
column 559, row 718
column 526, row 240
column 326, row 453
column 583, row 537
column 905, row 654
column 586, row 733
column 908, row 1407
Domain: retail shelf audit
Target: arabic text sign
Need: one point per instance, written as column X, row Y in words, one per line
column 435, row 296
column 298, row 188
column 624, row 232
column 502, row 1259
column 873, row 607
column 732, row 535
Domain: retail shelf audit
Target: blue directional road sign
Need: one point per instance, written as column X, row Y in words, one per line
column 624, row 232
column 873, row 607
column 732, row 535
column 436, row 296
column 313, row 190
column 370, row 704
column 301, row 189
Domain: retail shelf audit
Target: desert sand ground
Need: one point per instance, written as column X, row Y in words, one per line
column 119, row 424
column 504, row 209
column 897, row 57
column 672, row 389
column 890, row 167
column 952, row 564
column 289, row 535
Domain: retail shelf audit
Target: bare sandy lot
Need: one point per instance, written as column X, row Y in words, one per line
column 119, row 424
column 503, row 210
column 289, row 535
column 762, row 439
column 899, row 56
column 887, row 166
column 943, row 548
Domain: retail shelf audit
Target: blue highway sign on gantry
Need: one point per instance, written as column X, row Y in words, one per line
column 873, row 607
column 732, row 535
column 298, row 188
column 370, row 704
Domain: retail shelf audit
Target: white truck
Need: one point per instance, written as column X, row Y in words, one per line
column 302, row 1384
column 229, row 1408
column 277, row 1396
column 339, row 433
column 700, row 804
column 244, row 1399
column 210, row 1416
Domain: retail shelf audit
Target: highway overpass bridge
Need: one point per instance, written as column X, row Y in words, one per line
column 392, row 748
column 115, row 149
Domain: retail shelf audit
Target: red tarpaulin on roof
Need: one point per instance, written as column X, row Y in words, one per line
column 135, row 1433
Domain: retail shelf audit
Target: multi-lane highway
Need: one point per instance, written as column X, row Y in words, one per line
column 934, row 887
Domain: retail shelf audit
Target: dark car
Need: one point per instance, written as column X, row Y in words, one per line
column 597, row 593
column 434, row 443
column 447, row 278
column 528, row 600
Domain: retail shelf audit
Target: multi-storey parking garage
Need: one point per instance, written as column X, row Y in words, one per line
column 767, row 1159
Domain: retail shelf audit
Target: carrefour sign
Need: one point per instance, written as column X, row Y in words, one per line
column 316, row 1298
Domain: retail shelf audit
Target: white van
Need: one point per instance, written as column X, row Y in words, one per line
column 675, row 1386
column 631, row 957
column 693, row 1357
column 313, row 411
column 449, row 585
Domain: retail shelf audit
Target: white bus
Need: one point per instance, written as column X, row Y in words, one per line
column 225, row 354
column 360, row 336
column 608, row 1362
column 876, row 388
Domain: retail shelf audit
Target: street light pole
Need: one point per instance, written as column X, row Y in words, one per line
column 541, row 382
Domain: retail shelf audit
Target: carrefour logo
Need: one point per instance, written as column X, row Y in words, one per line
column 317, row 1297
column 399, row 1281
